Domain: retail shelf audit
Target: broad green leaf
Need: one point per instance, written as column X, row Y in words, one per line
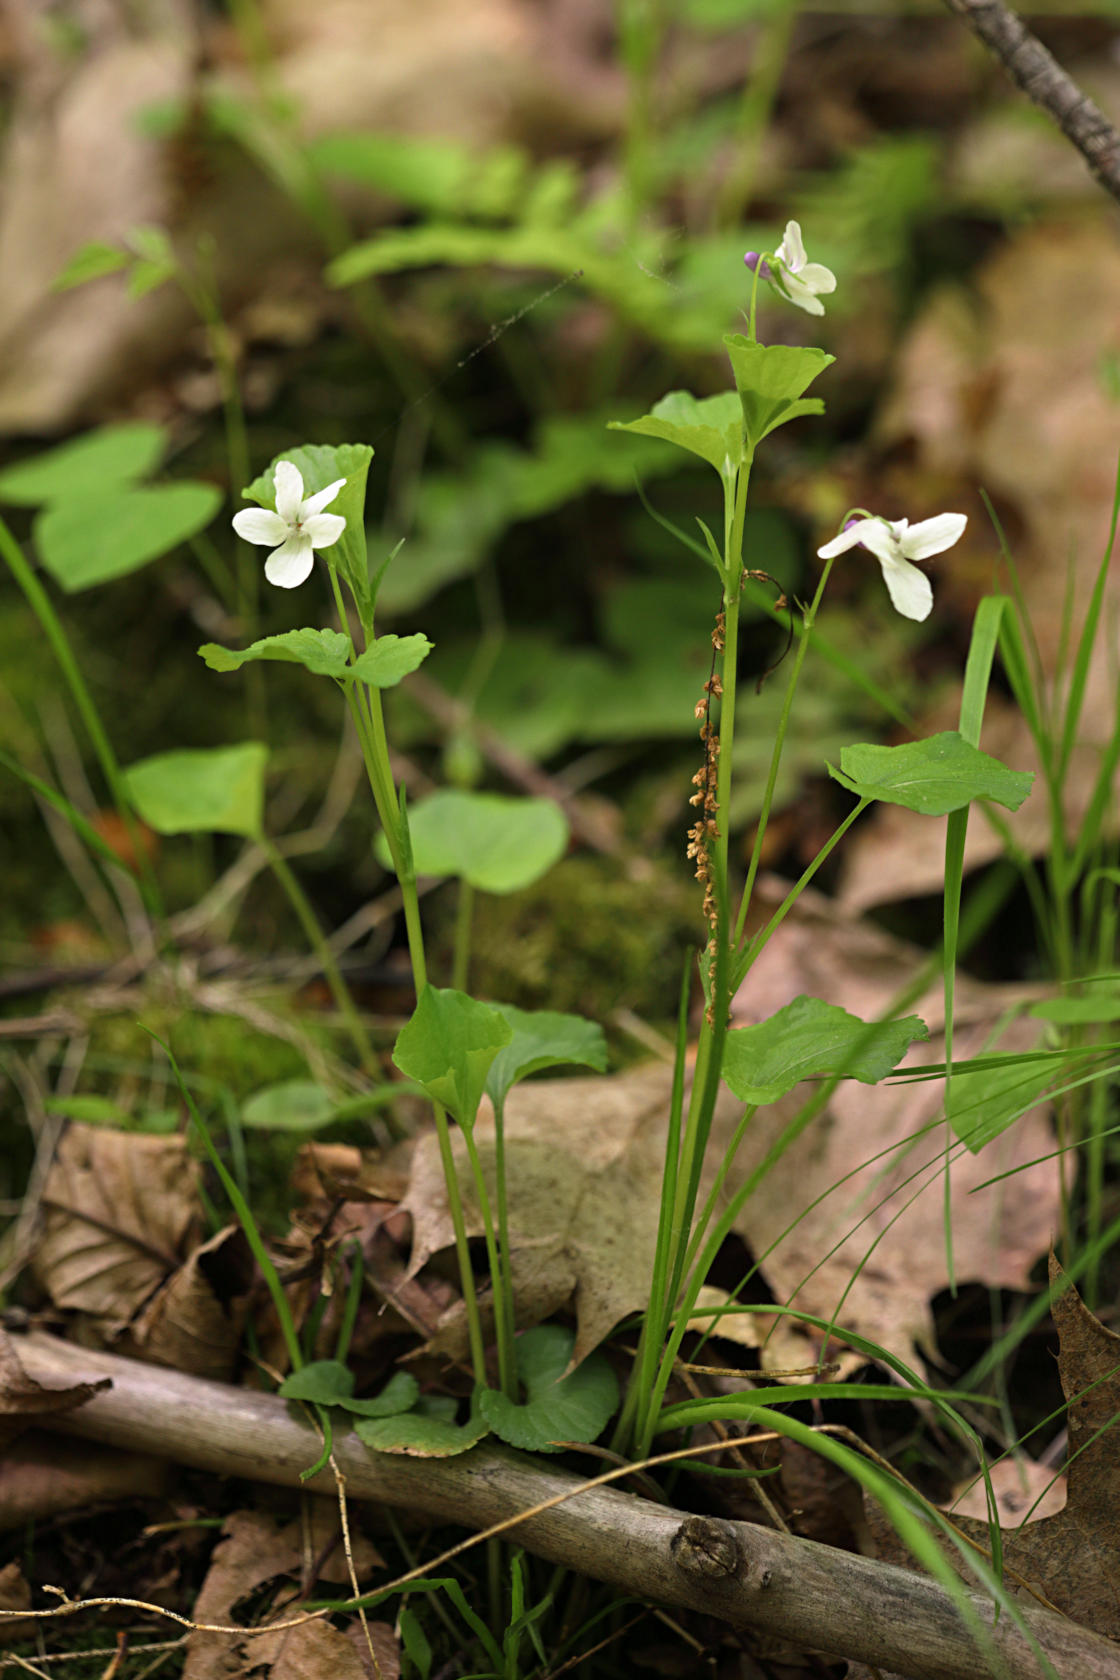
column 558, row 1408
column 811, row 1039
column 292, row 1105
column 94, row 462
column 448, row 1046
column 102, row 534
column 711, row 427
column 543, row 1038
column 496, row 843
column 772, row 380
column 424, row 1432
column 320, row 464
column 389, row 658
column 216, row 790
column 323, row 652
column 326, row 1382
column 934, row 776
column 1089, row 1009
column 983, row 1104
column 398, row 1395
column 90, row 262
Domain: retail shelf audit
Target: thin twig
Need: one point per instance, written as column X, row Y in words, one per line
column 1035, row 69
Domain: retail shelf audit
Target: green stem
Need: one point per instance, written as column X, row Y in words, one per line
column 776, row 757
column 501, row 1321
column 41, row 606
column 462, row 1246
column 503, row 1304
column 319, row 944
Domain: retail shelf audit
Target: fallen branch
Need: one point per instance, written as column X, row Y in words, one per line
column 1035, row 69
column 751, row 1577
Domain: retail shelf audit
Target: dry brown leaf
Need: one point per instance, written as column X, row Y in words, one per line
column 256, row 1549
column 318, row 1651
column 982, row 397
column 196, row 1320
column 1025, row 1491
column 22, row 1399
column 44, row 1475
column 120, row 1210
column 583, row 1170
column 1073, row 1557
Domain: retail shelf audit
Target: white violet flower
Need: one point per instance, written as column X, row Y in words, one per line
column 791, row 273
column 297, row 528
column 896, row 543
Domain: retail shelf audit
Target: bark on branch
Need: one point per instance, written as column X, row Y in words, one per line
column 750, row 1577
column 1035, row 69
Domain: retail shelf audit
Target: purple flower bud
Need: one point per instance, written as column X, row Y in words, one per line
column 757, row 265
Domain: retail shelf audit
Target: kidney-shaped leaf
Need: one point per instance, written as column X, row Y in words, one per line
column 543, row 1038
column 213, row 790
column 940, row 774
column 425, row 1432
column 291, row 1105
column 448, row 1046
column 813, row 1039
column 558, row 1408
column 327, row 1382
column 110, row 455
column 496, row 843
column 101, row 534
column 323, row 652
column 711, row 427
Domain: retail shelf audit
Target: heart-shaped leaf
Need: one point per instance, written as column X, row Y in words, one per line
column 93, row 462
column 102, row 534
column 389, row 658
column 940, row 774
column 771, row 380
column 448, row 1046
column 558, row 1408
column 327, row 1382
column 425, row 1432
column 813, row 1039
column 496, row 843
column 218, row 790
column 711, row 427
column 543, row 1038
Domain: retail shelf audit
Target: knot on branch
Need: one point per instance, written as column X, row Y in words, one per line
column 706, row 1547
